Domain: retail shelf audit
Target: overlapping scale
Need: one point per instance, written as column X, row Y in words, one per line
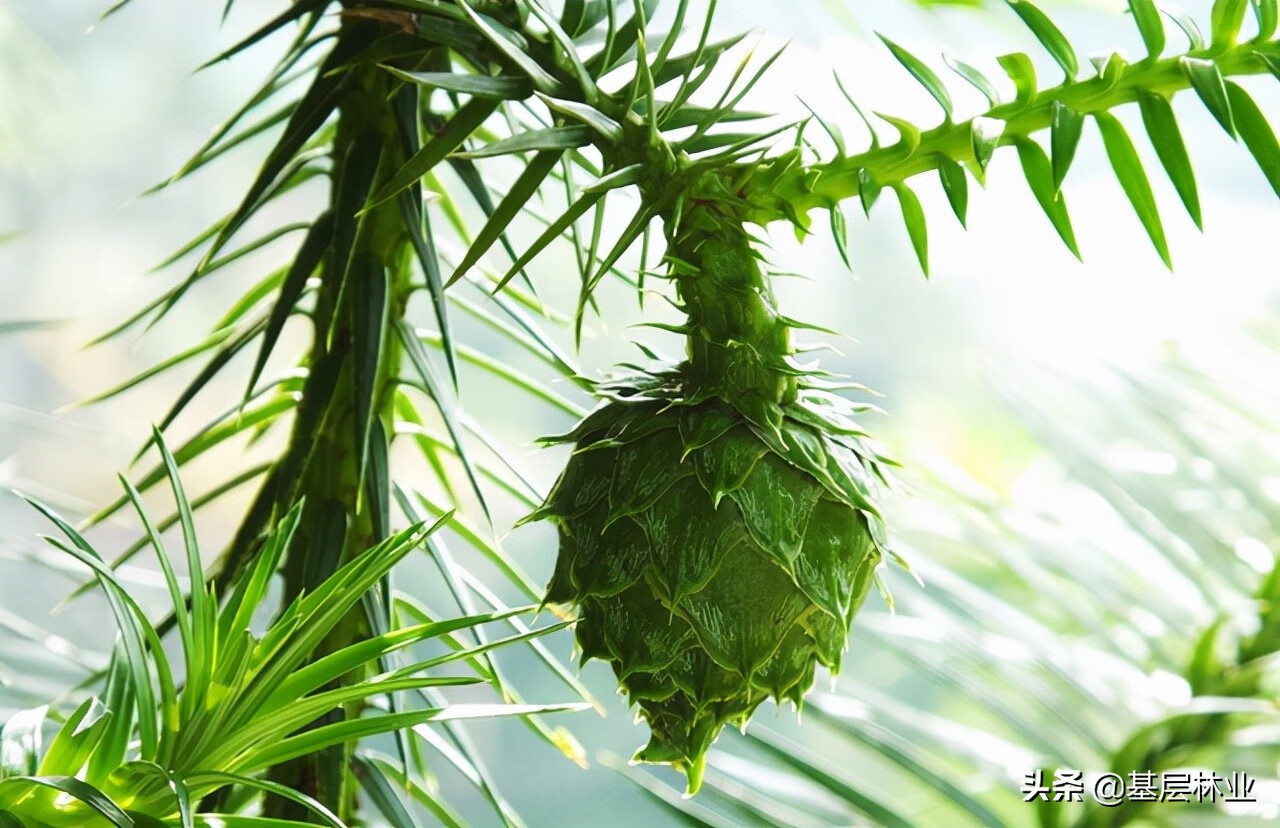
column 714, row 562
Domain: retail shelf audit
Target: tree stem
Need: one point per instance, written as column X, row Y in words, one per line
column 790, row 189
column 349, row 393
column 737, row 341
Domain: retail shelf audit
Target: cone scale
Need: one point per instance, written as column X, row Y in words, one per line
column 715, row 519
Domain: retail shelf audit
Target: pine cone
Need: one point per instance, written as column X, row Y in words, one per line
column 714, row 559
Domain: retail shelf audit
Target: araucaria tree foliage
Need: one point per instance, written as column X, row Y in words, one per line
column 717, row 518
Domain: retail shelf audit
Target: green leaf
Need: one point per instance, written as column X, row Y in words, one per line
column 689, row 810
column 913, row 217
column 955, row 184
column 418, row 226
column 239, row 253
column 1049, row 35
column 212, row 341
column 1147, row 17
column 551, row 138
column 312, row 740
column 1256, row 133
column 383, row 795
column 214, row 147
column 705, row 55
column 922, row 73
column 1162, row 129
column 1111, row 69
column 984, row 137
column 504, row 371
column 382, row 783
column 213, row 820
column 1188, row 26
column 445, row 29
column 289, row 642
column 278, row 22
column 1226, row 18
column 840, row 232
column 868, row 190
column 13, row 326
column 17, row 788
column 1265, row 11
column 673, row 35
column 332, row 666
column 251, row 298
column 796, row 756
column 527, row 335
column 728, row 100
column 619, row 41
column 267, row 786
column 251, row 588
column 871, row 130
column 205, row 375
column 1205, row 664
column 75, row 741
column 1206, row 79
column 492, row 552
column 1064, row 136
column 718, row 140
column 313, row 110
column 371, row 312
column 574, row 18
column 196, row 685
column 1140, row 742
column 1022, row 72
column 553, row 232
column 458, row 128
column 1272, row 64
column 447, row 407
column 141, row 543
column 135, row 630
column 317, row 242
column 623, row 177
column 908, row 134
column 355, row 181
column 671, row 117
column 586, row 84
column 115, row 7
column 975, row 78
column 1128, row 168
column 118, row 697
column 469, row 654
column 608, row 128
column 518, row 196
column 912, row 757
column 170, row 780
column 497, row 87
column 629, row 235
column 505, row 42
column 230, row 423
column 1039, row 175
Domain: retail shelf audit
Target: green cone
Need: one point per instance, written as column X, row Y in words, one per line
column 714, row 559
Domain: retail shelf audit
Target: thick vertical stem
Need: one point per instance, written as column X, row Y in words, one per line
column 329, row 449
column 737, row 341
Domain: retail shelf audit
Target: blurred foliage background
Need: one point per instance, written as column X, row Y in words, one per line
column 1089, row 450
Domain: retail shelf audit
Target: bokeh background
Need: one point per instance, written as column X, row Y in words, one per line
column 1025, row 392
